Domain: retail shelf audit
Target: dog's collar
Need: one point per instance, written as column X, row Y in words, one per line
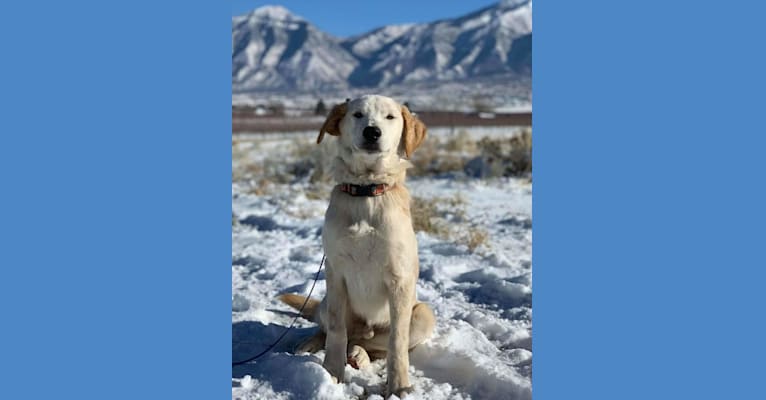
column 373, row 190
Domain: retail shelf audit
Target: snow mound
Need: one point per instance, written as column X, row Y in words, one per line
column 464, row 357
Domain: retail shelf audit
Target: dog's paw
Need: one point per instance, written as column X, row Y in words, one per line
column 336, row 370
column 398, row 384
column 365, row 332
column 368, row 333
column 401, row 392
column 358, row 357
column 311, row 345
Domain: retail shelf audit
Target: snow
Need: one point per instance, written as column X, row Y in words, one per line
column 371, row 42
column 482, row 345
column 276, row 49
column 292, row 55
column 275, row 13
column 473, row 23
column 518, row 19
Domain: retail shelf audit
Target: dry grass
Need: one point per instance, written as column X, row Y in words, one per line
column 497, row 156
column 438, row 156
column 462, row 142
column 473, row 238
column 303, row 149
column 426, row 217
column 444, row 218
column 508, row 156
column 317, row 191
column 433, row 158
column 260, row 187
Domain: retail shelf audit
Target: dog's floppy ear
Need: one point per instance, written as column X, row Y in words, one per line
column 332, row 123
column 413, row 133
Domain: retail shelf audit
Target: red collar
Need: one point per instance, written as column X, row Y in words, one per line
column 373, row 190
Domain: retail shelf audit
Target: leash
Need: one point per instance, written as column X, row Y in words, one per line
column 316, row 278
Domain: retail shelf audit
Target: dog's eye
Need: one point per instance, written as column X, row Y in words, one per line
column 358, row 115
column 389, row 116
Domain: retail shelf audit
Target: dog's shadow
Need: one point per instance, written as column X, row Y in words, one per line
column 250, row 338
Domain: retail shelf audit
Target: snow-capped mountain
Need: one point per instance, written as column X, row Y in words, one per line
column 276, row 50
column 493, row 40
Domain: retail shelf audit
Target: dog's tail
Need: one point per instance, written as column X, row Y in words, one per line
column 296, row 301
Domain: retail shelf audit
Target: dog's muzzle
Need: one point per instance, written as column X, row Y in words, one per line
column 371, row 135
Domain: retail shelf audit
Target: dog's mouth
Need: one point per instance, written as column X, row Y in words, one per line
column 370, row 148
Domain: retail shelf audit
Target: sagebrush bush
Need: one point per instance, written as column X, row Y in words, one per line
column 425, row 217
column 462, row 142
column 508, row 156
column 434, row 158
column 430, row 215
column 473, row 238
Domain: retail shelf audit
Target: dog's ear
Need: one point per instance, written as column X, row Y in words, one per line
column 413, row 133
column 332, row 123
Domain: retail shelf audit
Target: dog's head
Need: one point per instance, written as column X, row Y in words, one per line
column 374, row 126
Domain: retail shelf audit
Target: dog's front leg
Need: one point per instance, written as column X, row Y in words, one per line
column 400, row 294
column 337, row 339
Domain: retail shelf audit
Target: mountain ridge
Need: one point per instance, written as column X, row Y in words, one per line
column 276, row 50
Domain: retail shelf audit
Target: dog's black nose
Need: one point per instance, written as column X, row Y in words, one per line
column 371, row 133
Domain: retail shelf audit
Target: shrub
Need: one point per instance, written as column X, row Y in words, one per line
column 429, row 216
column 473, row 238
column 508, row 157
column 425, row 217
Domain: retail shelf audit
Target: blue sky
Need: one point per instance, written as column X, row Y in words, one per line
column 346, row 18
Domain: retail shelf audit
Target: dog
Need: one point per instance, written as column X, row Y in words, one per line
column 370, row 309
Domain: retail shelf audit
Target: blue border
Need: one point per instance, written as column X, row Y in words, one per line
column 115, row 169
column 648, row 200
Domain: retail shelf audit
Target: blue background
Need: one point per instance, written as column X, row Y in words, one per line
column 648, row 200
column 115, row 169
column 349, row 17
column 115, row 215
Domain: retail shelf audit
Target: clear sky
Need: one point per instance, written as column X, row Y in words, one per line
column 348, row 17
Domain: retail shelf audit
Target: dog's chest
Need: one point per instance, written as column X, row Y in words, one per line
column 365, row 246
column 359, row 230
column 360, row 249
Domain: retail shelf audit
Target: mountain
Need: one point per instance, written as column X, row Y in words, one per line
column 274, row 50
column 493, row 40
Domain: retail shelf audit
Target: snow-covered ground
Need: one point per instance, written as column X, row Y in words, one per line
column 475, row 272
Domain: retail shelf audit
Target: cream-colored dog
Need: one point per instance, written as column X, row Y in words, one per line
column 372, row 256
